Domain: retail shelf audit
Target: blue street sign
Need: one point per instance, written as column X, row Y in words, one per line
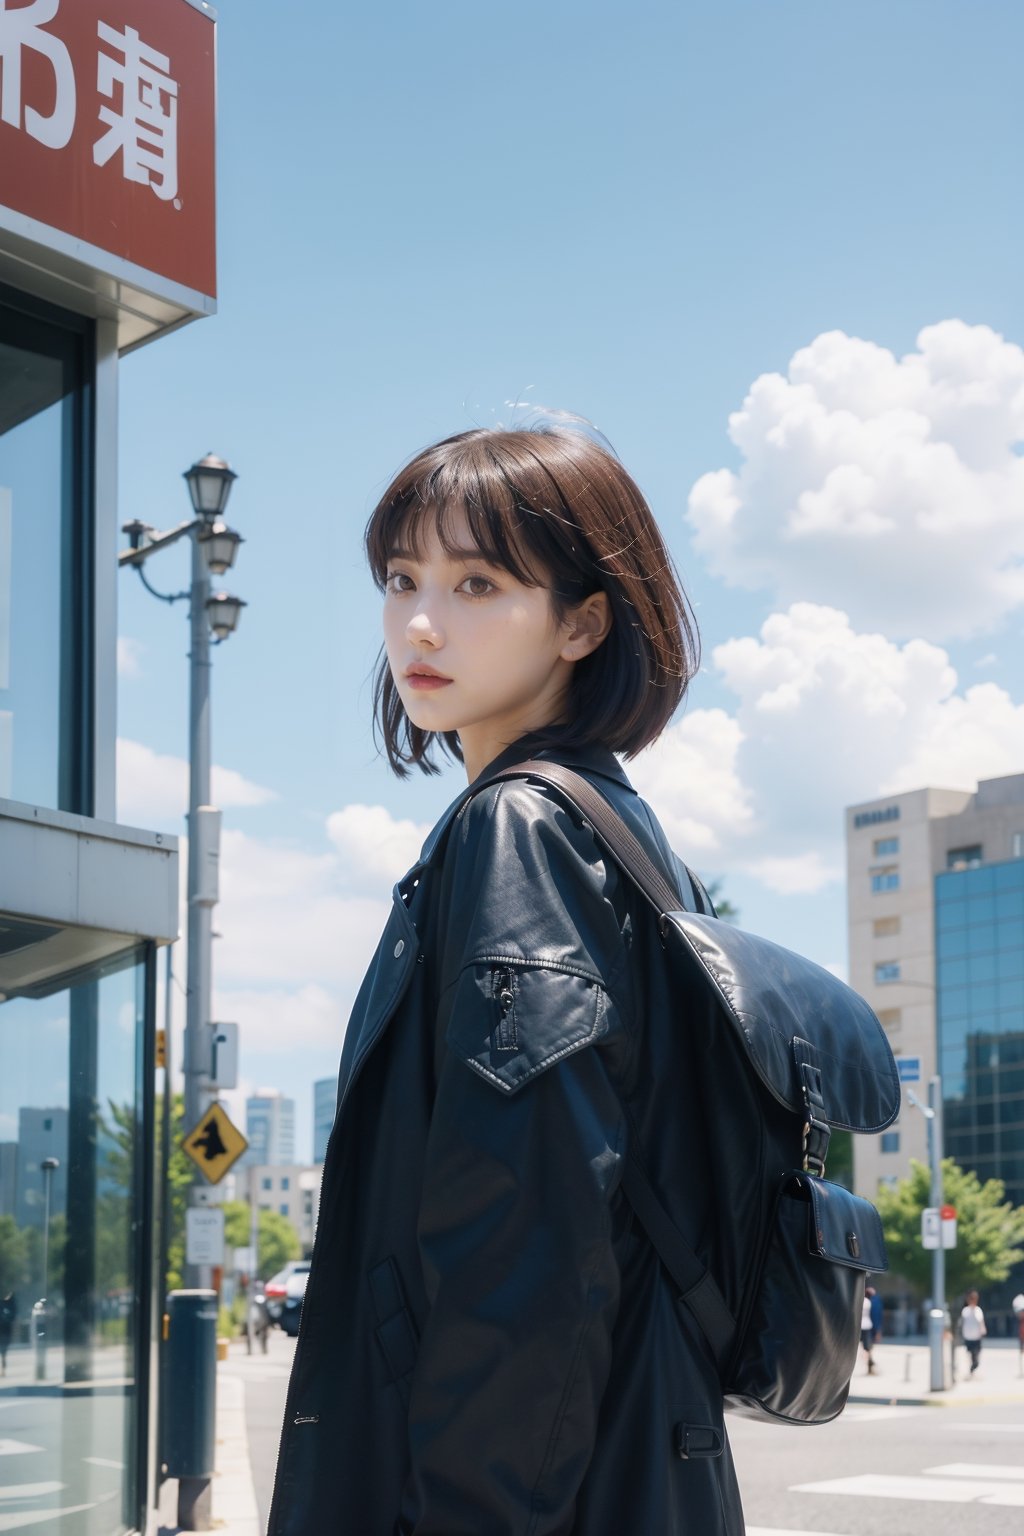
column 909, row 1068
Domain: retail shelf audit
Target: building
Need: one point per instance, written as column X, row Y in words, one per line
column 936, row 933
column 291, row 1189
column 325, row 1099
column 106, row 243
column 269, row 1129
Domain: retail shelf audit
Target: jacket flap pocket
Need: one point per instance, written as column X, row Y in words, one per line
column 509, row 1021
column 842, row 1227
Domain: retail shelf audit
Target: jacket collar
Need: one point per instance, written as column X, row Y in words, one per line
column 596, row 758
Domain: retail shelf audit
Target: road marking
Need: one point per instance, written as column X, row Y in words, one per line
column 872, row 1485
column 764, row 1530
column 983, row 1429
column 17, row 1448
column 101, row 1461
column 975, row 1469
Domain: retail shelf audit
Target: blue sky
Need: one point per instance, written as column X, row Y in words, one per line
column 632, row 213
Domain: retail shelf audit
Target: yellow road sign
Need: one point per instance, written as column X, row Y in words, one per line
column 161, row 1049
column 214, row 1145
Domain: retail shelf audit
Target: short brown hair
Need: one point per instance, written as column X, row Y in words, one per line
column 549, row 505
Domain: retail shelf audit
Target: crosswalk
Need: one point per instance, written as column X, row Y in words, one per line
column 979, row 1484
column 957, row 1483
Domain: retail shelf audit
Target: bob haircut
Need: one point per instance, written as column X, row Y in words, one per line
column 554, row 509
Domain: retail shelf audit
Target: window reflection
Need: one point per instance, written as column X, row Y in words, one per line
column 70, row 1103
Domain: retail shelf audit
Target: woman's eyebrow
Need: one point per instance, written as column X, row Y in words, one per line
column 463, row 555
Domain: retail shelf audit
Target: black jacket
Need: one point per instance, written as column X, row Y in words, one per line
column 489, row 1344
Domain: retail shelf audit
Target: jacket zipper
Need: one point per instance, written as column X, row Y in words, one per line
column 505, row 997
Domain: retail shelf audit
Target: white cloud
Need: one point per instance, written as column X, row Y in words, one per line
column 689, row 777
column 129, row 658
column 825, row 717
column 279, row 1019
column 152, row 787
column 373, row 844
column 886, row 487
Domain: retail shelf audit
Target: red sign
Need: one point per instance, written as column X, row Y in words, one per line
column 107, row 120
column 948, row 1212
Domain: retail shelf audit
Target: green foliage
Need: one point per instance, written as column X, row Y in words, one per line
column 279, row 1242
column 723, row 906
column 179, row 1175
column 840, row 1158
column 14, row 1256
column 990, row 1231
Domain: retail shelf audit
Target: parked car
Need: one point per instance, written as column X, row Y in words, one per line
column 284, row 1293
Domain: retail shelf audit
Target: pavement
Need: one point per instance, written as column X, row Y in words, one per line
column 902, row 1376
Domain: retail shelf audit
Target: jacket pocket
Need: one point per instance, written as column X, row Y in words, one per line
column 396, row 1331
column 509, row 1021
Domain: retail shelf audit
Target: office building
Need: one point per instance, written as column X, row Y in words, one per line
column 936, row 933
column 269, row 1128
column 325, row 1098
column 290, row 1189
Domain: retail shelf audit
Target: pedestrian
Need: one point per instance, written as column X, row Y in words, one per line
column 8, row 1316
column 489, row 1342
column 869, row 1332
column 972, row 1328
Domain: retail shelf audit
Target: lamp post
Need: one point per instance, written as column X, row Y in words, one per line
column 932, row 1112
column 214, row 547
column 43, row 1310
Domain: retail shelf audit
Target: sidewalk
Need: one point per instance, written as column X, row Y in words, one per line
column 903, row 1375
column 233, row 1496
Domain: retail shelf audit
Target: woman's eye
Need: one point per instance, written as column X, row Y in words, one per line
column 398, row 581
column 476, row 586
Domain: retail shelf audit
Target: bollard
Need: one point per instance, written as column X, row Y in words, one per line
column 190, row 1363
column 936, row 1331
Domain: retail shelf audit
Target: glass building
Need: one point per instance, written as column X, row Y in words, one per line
column 93, row 262
column 979, row 948
column 325, row 1098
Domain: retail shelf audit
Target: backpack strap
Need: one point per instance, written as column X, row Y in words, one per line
column 696, row 1286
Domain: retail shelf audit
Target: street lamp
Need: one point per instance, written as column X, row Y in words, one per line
column 42, row 1309
column 932, row 1112
column 214, row 547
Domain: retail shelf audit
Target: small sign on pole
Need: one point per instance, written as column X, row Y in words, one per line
column 931, row 1227
column 204, row 1235
column 948, row 1217
column 909, row 1068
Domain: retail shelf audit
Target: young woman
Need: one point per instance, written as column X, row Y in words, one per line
column 489, row 1343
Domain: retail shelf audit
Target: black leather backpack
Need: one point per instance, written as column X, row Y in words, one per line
column 803, row 1055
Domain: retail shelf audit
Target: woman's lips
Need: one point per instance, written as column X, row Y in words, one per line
column 424, row 682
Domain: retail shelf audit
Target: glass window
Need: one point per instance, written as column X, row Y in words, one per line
column 980, row 967
column 964, row 858
column 75, row 1176
column 890, row 1141
column 45, row 554
column 885, row 927
column 954, row 1003
column 1010, row 962
column 886, row 845
column 1008, row 877
column 951, row 912
column 1018, row 845
column 978, row 880
column 981, row 910
column 954, row 944
column 890, row 1018
column 952, row 973
column 1010, row 994
column 887, row 970
column 885, row 880
column 286, row 1182
column 283, row 1208
column 267, row 1183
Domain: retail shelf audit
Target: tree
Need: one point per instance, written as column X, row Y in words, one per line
column 990, row 1231
column 722, row 905
column 14, row 1257
column 179, row 1177
column 277, row 1238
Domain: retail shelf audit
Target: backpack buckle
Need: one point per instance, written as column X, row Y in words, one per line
column 817, row 1132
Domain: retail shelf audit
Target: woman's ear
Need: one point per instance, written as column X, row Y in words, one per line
column 588, row 624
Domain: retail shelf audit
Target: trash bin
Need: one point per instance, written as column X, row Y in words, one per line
column 190, row 1402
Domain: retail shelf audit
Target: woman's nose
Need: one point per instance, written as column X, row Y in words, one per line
column 422, row 629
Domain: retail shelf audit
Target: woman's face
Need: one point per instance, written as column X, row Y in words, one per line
column 473, row 650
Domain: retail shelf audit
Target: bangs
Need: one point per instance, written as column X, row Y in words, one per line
column 513, row 511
